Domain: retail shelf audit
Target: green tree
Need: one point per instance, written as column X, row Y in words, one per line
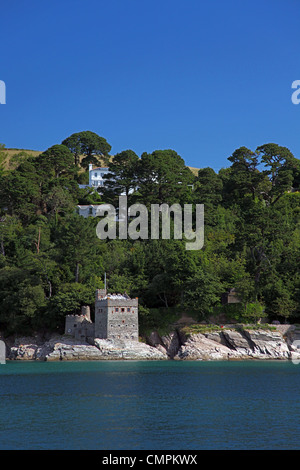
column 78, row 246
column 21, row 299
column 56, row 161
column 202, row 291
column 89, row 144
column 278, row 162
column 123, row 175
column 245, row 177
column 164, row 178
column 20, row 195
column 68, row 301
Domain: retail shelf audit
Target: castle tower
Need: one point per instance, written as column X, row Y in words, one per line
column 116, row 316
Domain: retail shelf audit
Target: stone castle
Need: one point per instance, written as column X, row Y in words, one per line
column 116, row 317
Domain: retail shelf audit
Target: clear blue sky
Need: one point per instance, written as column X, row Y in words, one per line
column 200, row 77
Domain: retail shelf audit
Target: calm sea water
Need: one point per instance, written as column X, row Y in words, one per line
column 150, row 405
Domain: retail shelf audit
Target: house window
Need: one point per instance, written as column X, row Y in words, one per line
column 128, row 309
column 95, row 174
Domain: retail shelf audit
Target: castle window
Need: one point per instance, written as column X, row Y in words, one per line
column 128, row 309
column 122, row 309
column 116, row 309
column 123, row 321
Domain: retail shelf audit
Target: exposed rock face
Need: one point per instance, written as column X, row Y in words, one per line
column 226, row 344
column 233, row 344
column 198, row 347
column 111, row 349
column 25, row 348
column 268, row 343
column 69, row 349
column 168, row 344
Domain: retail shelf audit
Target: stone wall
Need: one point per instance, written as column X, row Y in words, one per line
column 116, row 319
column 79, row 327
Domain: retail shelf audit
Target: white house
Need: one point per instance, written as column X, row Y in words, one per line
column 96, row 175
column 96, row 179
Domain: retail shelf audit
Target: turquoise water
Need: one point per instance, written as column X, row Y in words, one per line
column 150, row 405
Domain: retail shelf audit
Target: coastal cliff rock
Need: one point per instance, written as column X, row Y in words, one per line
column 198, row 347
column 235, row 344
column 268, row 343
column 226, row 343
column 168, row 344
column 132, row 350
column 62, row 348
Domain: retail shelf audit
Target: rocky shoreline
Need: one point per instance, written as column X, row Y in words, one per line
column 226, row 343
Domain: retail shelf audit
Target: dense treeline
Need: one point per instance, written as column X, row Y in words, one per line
column 51, row 260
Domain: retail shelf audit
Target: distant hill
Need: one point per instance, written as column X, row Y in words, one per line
column 14, row 156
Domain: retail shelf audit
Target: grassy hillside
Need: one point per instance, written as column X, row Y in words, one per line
column 12, row 157
column 194, row 170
